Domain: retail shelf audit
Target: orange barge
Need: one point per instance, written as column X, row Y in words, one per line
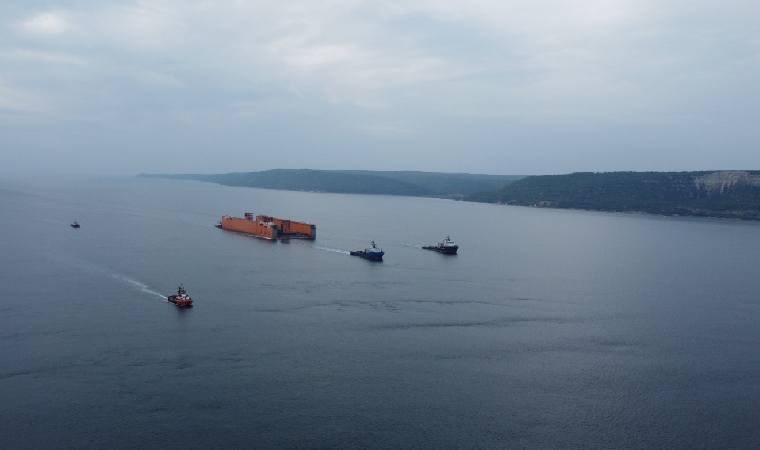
column 268, row 227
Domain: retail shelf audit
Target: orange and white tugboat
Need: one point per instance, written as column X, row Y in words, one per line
column 181, row 299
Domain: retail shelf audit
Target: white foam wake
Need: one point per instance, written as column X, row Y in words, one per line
column 334, row 250
column 141, row 286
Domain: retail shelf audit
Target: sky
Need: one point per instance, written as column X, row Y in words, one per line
column 482, row 86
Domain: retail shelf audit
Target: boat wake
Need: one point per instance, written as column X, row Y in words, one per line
column 54, row 222
column 138, row 285
column 334, row 250
column 105, row 271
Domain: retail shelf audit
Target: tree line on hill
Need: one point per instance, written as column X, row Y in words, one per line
column 411, row 183
column 729, row 194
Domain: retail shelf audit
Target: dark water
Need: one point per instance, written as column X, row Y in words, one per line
column 550, row 329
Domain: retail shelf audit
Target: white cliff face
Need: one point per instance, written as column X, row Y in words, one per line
column 719, row 182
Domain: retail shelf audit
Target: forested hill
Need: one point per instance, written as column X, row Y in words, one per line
column 430, row 184
column 734, row 194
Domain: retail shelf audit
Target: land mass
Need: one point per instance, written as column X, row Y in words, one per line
column 423, row 184
column 727, row 194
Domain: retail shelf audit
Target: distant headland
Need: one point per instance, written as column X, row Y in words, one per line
column 409, row 183
column 724, row 194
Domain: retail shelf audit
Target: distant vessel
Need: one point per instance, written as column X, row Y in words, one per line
column 75, row 224
column 447, row 247
column 372, row 253
column 268, row 227
column 181, row 299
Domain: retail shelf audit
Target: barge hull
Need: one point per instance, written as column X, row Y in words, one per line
column 268, row 227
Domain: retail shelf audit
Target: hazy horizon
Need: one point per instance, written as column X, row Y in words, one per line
column 507, row 87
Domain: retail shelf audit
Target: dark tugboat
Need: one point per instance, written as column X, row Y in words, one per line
column 372, row 253
column 75, row 224
column 181, row 299
column 447, row 247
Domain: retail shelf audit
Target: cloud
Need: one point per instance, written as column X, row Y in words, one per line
column 157, row 79
column 318, row 55
column 46, row 56
column 513, row 80
column 46, row 23
column 16, row 100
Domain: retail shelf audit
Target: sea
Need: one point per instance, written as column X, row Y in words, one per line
column 550, row 329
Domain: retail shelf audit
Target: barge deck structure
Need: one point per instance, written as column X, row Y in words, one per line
column 268, row 227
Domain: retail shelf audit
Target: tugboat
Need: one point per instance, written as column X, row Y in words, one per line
column 75, row 224
column 181, row 299
column 372, row 253
column 447, row 247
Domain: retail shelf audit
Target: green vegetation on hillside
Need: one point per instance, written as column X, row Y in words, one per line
column 429, row 184
column 715, row 194
column 733, row 194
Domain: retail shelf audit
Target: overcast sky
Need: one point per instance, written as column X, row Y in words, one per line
column 533, row 86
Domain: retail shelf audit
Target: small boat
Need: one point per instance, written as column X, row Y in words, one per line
column 447, row 247
column 372, row 253
column 75, row 224
column 181, row 299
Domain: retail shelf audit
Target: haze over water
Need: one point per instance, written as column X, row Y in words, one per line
column 551, row 328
